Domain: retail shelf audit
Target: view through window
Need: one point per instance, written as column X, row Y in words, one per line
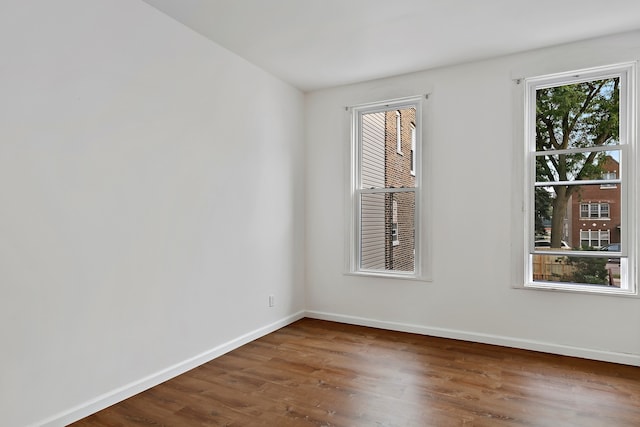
column 579, row 147
column 385, row 196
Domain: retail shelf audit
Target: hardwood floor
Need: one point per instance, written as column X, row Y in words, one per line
column 317, row 373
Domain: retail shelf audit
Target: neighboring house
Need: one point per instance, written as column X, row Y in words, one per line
column 400, row 208
column 594, row 217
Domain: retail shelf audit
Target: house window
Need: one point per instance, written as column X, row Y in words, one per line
column 590, row 239
column 594, row 210
column 609, row 176
column 394, row 224
column 385, row 193
column 584, row 210
column 579, row 128
column 398, row 132
column 413, row 149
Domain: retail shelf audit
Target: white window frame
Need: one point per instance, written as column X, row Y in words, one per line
column 399, row 132
column 395, row 237
column 413, row 149
column 627, row 178
column 421, row 246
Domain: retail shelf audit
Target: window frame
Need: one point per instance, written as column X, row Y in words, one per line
column 395, row 232
column 354, row 193
column 599, row 210
column 599, row 233
column 413, row 149
column 627, row 145
column 399, row 132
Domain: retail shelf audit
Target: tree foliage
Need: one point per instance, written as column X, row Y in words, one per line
column 578, row 115
column 591, row 271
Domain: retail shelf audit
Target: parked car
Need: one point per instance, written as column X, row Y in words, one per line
column 613, row 247
column 547, row 244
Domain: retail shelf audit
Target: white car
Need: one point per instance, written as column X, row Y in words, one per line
column 547, row 244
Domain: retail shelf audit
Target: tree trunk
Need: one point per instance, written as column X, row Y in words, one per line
column 559, row 213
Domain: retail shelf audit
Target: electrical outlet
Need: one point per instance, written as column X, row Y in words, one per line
column 272, row 300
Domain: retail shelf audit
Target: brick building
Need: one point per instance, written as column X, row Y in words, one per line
column 594, row 217
column 399, row 172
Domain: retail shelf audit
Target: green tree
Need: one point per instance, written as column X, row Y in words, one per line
column 574, row 116
column 590, row 270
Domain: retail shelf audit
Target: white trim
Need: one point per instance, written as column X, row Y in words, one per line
column 533, row 345
column 107, row 399
column 399, row 132
column 584, row 75
column 413, row 149
column 389, row 275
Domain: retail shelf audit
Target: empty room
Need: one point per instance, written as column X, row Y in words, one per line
column 319, row 213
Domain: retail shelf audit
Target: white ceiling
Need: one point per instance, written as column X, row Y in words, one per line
column 315, row 44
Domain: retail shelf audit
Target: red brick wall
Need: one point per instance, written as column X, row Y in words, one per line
column 398, row 174
column 596, row 194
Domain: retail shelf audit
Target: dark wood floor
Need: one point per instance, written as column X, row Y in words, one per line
column 317, row 373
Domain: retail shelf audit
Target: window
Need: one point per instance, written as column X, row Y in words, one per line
column 394, row 224
column 413, row 149
column 384, row 193
column 398, row 132
column 594, row 238
column 594, row 210
column 609, row 176
column 579, row 129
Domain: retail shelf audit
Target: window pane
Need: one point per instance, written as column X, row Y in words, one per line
column 373, row 135
column 590, row 165
column 577, row 216
column 383, row 165
column 584, row 210
column 387, row 245
column 578, row 115
column 597, row 271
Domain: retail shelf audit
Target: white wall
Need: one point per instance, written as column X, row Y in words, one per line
column 151, row 198
column 469, row 133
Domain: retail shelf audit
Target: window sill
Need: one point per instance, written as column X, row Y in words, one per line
column 582, row 218
column 385, row 275
column 578, row 289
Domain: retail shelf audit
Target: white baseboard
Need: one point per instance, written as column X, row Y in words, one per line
column 564, row 350
column 126, row 391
